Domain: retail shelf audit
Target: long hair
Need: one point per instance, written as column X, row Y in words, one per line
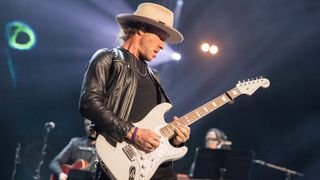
column 128, row 30
column 220, row 137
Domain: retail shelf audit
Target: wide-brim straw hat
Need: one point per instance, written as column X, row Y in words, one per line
column 155, row 15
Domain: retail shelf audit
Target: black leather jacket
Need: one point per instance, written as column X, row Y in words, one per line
column 108, row 91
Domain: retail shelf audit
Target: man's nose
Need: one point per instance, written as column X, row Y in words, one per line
column 161, row 45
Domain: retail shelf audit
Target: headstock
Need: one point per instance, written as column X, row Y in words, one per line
column 249, row 86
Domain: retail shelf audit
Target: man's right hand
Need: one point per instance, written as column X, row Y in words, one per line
column 63, row 176
column 145, row 139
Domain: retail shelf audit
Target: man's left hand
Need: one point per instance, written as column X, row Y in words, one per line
column 182, row 134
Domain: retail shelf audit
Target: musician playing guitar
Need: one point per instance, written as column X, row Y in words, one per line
column 79, row 153
column 119, row 88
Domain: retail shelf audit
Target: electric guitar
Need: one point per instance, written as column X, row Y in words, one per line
column 79, row 164
column 126, row 161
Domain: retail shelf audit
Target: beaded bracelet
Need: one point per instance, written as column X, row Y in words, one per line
column 134, row 135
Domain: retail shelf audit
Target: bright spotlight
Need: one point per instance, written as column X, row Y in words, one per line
column 205, row 47
column 214, row 49
column 180, row 2
column 176, row 56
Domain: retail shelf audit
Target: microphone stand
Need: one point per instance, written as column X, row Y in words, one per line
column 16, row 161
column 288, row 172
column 222, row 172
column 43, row 152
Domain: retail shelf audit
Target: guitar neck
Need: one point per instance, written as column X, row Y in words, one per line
column 191, row 117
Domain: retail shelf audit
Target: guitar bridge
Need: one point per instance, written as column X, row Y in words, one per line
column 129, row 151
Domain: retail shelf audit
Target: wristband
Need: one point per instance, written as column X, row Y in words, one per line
column 134, row 135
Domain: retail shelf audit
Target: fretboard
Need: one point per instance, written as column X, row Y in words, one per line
column 191, row 117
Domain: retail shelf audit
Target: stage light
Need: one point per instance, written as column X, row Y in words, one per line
column 180, row 2
column 176, row 56
column 20, row 35
column 214, row 49
column 205, row 47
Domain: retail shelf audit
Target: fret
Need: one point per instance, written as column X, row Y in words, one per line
column 190, row 117
column 166, row 130
column 234, row 92
column 194, row 116
column 187, row 121
column 214, row 104
column 186, row 118
column 224, row 99
column 205, row 109
column 177, row 123
column 198, row 114
column 202, row 112
column 161, row 132
column 170, row 127
column 170, row 132
column 209, row 108
column 182, row 121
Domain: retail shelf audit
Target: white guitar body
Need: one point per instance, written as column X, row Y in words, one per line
column 125, row 161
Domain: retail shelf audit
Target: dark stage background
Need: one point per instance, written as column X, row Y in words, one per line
column 275, row 39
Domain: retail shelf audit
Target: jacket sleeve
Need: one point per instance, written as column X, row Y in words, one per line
column 92, row 97
column 64, row 157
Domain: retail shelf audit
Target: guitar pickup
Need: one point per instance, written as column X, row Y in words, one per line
column 129, row 151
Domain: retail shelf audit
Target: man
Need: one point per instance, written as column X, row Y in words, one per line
column 217, row 139
column 119, row 88
column 79, row 148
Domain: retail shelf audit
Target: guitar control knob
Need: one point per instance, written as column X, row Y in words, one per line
column 143, row 156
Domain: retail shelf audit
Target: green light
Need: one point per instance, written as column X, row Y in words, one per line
column 16, row 28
